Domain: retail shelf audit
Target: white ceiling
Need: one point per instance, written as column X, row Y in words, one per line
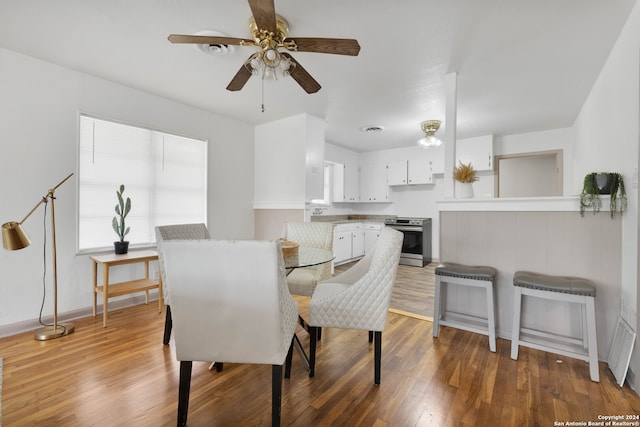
column 522, row 65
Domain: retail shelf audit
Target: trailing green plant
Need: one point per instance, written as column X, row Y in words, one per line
column 465, row 173
column 590, row 195
column 122, row 210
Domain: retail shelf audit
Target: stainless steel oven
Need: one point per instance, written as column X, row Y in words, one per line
column 416, row 246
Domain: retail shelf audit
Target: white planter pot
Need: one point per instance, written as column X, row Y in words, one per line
column 465, row 190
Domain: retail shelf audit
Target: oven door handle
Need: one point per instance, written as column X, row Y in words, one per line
column 405, row 228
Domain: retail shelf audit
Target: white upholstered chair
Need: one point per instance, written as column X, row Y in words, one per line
column 232, row 304
column 358, row 298
column 173, row 232
column 303, row 281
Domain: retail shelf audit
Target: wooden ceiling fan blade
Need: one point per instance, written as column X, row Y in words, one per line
column 300, row 75
column 264, row 13
column 324, row 45
column 186, row 38
column 240, row 79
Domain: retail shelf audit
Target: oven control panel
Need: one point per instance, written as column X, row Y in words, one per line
column 405, row 221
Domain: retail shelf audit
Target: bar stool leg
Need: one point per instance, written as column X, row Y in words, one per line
column 594, row 370
column 515, row 333
column 491, row 322
column 437, row 307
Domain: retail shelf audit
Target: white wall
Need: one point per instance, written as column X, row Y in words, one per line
column 39, row 106
column 607, row 138
column 289, row 160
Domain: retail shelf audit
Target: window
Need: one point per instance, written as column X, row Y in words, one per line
column 164, row 175
column 326, row 198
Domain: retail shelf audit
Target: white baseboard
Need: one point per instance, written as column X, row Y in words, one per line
column 33, row 324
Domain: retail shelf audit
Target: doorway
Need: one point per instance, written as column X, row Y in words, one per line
column 536, row 174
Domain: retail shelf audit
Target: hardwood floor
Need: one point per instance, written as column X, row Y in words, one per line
column 122, row 375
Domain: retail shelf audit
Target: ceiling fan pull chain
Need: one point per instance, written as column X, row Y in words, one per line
column 262, row 81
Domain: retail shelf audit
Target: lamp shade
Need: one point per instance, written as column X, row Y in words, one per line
column 13, row 237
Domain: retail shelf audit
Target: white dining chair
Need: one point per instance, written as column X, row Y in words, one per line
column 230, row 302
column 359, row 298
column 303, row 281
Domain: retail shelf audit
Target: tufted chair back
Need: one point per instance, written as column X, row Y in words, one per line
column 303, row 281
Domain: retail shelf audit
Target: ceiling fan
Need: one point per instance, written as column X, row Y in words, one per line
column 270, row 33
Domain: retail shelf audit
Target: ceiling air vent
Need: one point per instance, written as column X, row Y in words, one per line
column 215, row 49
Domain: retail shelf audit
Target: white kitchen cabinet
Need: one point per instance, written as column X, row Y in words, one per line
column 373, row 182
column 346, row 183
column 351, row 182
column 435, row 159
column 477, row 151
column 357, row 242
column 397, row 173
column 371, row 234
column 418, row 172
column 348, row 242
column 341, row 246
column 338, row 193
column 409, row 172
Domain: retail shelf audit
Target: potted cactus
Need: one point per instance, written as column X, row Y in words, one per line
column 122, row 210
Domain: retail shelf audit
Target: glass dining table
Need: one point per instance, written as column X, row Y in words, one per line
column 307, row 257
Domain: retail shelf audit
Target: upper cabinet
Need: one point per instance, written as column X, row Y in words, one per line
column 435, row 158
column 373, row 182
column 409, row 172
column 477, row 151
column 346, row 182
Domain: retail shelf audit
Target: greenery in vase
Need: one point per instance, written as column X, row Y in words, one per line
column 465, row 173
column 122, row 210
column 590, row 195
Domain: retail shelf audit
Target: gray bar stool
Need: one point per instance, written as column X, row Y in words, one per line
column 465, row 275
column 558, row 288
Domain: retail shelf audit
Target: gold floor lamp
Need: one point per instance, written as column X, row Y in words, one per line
column 13, row 238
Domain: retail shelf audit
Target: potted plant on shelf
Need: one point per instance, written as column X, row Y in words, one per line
column 597, row 183
column 122, row 210
column 466, row 175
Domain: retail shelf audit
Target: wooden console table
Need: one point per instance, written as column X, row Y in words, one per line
column 109, row 290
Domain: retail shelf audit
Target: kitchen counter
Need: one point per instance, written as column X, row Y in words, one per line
column 349, row 218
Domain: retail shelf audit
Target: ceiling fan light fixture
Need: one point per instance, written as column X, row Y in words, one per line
column 269, row 64
column 429, row 127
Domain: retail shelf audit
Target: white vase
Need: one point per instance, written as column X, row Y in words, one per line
column 465, row 190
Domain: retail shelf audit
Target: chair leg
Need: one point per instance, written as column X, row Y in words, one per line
column 276, row 394
column 313, row 336
column 168, row 324
column 436, row 307
column 377, row 357
column 217, row 365
column 319, row 334
column 287, row 366
column 491, row 321
column 515, row 332
column 183, row 392
column 370, row 336
column 594, row 370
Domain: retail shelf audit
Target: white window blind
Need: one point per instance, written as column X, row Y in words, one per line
column 164, row 175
